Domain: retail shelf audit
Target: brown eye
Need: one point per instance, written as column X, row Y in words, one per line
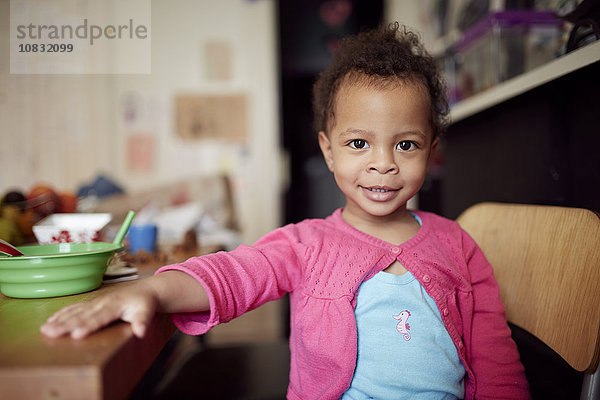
column 358, row 144
column 406, row 145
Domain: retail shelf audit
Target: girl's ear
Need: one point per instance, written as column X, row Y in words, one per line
column 434, row 145
column 325, row 146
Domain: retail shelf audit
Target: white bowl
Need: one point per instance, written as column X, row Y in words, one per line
column 72, row 228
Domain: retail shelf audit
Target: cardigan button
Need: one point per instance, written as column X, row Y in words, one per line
column 396, row 250
column 426, row 278
column 461, row 345
column 445, row 312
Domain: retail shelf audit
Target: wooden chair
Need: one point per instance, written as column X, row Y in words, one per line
column 547, row 262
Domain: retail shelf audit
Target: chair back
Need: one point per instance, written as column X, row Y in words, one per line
column 547, row 262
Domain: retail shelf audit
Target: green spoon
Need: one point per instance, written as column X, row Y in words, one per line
column 118, row 240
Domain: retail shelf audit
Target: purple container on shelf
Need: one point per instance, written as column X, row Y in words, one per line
column 504, row 45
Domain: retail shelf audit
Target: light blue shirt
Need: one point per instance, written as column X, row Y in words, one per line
column 404, row 349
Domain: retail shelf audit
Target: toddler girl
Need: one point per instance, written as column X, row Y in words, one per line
column 386, row 303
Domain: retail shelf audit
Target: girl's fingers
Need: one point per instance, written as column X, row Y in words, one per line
column 64, row 312
column 79, row 320
column 60, row 323
column 92, row 319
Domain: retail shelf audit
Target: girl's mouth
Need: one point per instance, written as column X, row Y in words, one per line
column 380, row 193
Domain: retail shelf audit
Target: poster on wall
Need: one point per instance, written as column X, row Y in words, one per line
column 211, row 117
column 218, row 61
column 140, row 115
column 140, row 152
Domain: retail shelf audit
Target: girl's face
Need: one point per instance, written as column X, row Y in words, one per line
column 378, row 148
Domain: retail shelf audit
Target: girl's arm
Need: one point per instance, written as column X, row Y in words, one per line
column 168, row 292
column 243, row 279
column 199, row 293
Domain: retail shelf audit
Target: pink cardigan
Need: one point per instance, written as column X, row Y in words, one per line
column 322, row 263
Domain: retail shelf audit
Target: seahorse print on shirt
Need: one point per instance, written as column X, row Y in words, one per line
column 403, row 326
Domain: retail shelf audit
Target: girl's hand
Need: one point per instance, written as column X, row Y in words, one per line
column 167, row 292
column 135, row 304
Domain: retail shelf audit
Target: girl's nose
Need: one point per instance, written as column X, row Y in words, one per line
column 383, row 162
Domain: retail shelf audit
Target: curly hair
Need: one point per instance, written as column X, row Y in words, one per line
column 389, row 55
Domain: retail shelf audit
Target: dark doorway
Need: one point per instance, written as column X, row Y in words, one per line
column 308, row 31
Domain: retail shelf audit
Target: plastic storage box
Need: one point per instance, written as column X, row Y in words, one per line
column 503, row 45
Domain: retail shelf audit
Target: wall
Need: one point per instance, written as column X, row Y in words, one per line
column 415, row 15
column 65, row 129
column 538, row 148
column 424, row 18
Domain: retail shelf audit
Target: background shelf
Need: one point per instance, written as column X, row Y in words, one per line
column 525, row 82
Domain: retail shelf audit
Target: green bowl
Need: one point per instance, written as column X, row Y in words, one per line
column 52, row 270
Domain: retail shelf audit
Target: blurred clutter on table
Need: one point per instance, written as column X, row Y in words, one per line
column 193, row 216
column 177, row 217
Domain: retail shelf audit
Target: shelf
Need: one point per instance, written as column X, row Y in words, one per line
column 525, row 82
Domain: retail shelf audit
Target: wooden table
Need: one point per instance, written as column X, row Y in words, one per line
column 106, row 365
